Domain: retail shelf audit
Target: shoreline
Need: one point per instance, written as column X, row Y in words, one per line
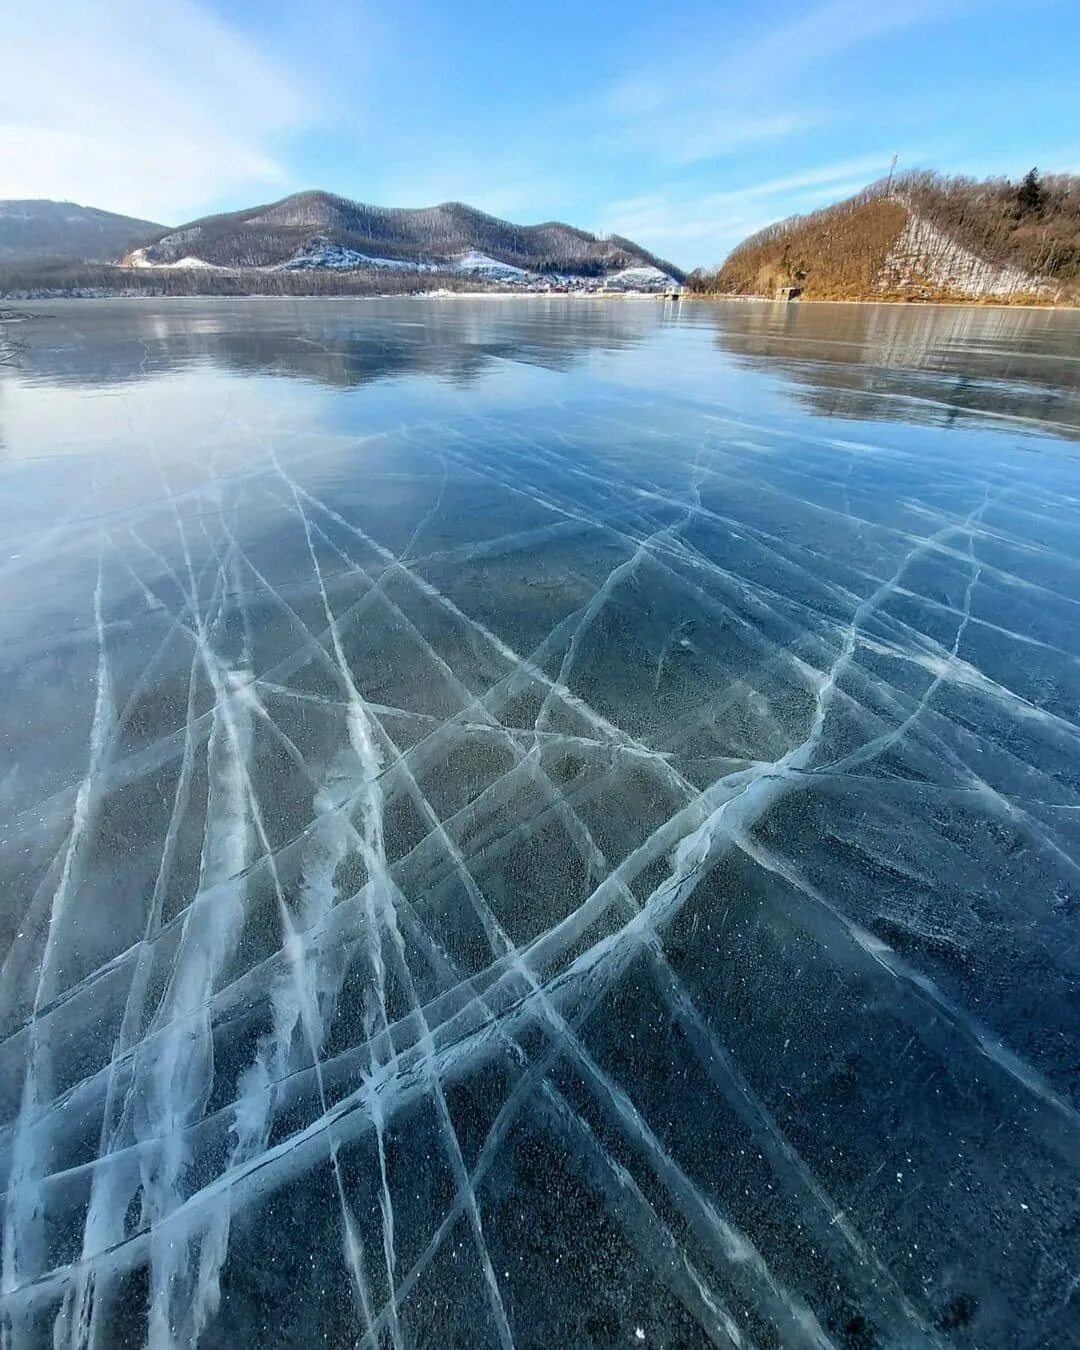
column 958, row 303
column 51, row 298
column 666, row 298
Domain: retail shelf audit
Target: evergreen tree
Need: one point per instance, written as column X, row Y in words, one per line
column 1030, row 195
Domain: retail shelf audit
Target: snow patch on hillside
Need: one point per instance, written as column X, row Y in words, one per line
column 926, row 261
column 140, row 259
column 320, row 254
column 644, row 278
column 480, row 264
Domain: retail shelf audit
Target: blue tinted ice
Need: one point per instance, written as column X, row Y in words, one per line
column 539, row 823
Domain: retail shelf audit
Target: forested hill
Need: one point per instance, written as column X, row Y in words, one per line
column 37, row 228
column 309, row 225
column 921, row 236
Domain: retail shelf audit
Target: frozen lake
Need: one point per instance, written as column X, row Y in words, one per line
column 539, row 823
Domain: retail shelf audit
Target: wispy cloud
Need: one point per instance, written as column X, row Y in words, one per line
column 749, row 98
column 863, row 169
column 743, row 92
column 719, row 220
column 827, row 30
column 153, row 112
column 171, row 111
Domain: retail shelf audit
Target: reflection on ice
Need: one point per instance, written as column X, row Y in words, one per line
column 936, row 365
column 584, row 856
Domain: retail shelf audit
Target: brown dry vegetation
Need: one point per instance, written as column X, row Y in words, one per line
column 838, row 253
column 1035, row 229
column 832, row 254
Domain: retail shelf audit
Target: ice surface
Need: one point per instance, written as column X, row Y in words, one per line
column 539, row 823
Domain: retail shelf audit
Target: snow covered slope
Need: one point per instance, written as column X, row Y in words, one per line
column 325, row 253
column 641, row 279
column 924, row 259
column 481, row 265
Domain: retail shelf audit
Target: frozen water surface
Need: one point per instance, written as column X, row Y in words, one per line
column 539, row 823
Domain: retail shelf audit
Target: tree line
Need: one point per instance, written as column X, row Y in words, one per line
column 37, row 280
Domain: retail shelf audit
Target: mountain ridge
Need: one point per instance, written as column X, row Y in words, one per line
column 38, row 227
column 274, row 234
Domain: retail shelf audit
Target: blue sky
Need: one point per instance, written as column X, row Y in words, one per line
column 683, row 124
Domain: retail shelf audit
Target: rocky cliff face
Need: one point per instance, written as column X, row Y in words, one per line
column 925, row 262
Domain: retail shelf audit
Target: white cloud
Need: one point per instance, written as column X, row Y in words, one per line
column 864, row 169
column 718, row 220
column 829, row 29
column 730, row 93
column 154, row 112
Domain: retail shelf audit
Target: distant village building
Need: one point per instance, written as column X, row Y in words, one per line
column 788, row 292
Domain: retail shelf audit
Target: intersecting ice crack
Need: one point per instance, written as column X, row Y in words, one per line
column 312, row 992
